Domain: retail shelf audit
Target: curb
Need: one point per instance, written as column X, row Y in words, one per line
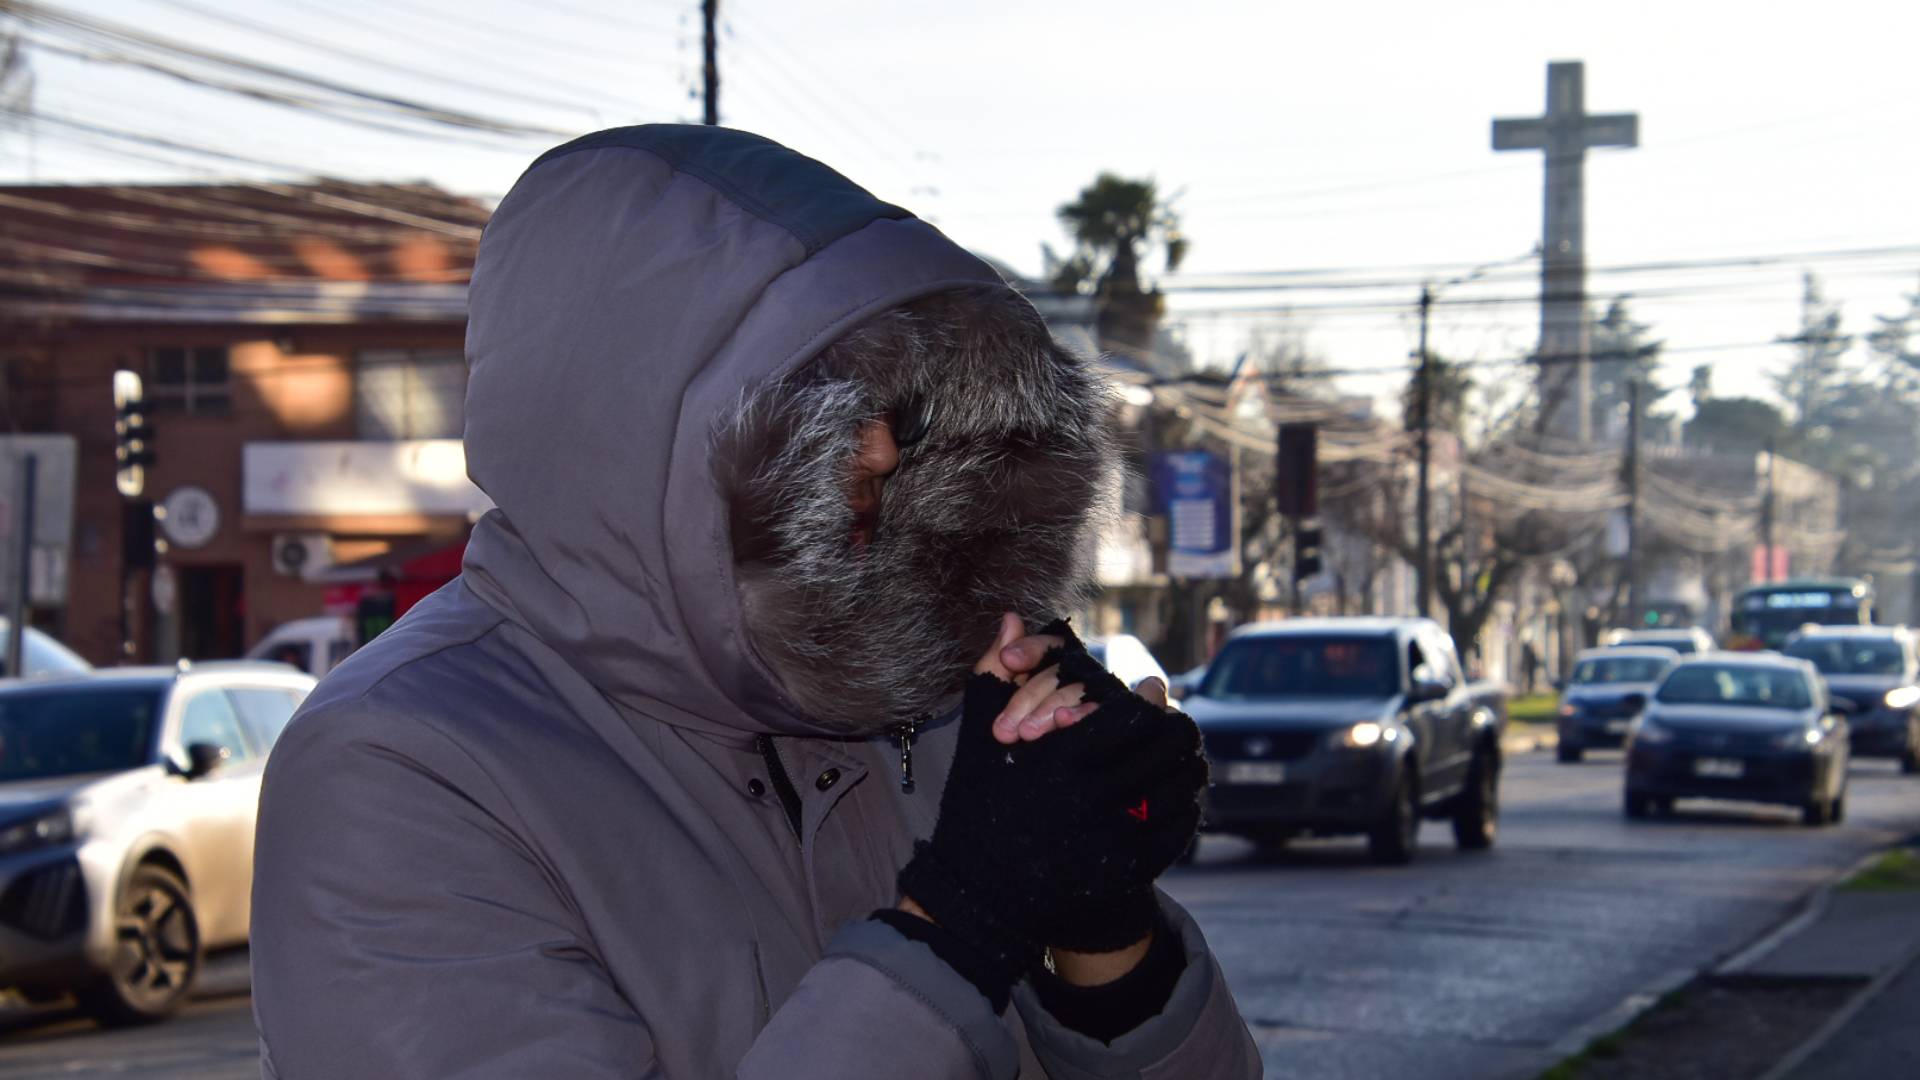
column 1528, row 742
column 1626, row 1012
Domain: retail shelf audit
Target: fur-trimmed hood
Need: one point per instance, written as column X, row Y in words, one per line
column 649, row 312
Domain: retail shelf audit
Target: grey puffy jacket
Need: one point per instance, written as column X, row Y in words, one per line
column 527, row 832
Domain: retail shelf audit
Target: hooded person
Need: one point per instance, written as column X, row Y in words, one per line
column 712, row 762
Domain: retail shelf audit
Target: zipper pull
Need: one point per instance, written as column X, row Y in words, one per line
column 905, row 731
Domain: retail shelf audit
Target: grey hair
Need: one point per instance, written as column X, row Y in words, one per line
column 998, row 509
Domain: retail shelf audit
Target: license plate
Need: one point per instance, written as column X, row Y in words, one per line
column 1720, row 768
column 1616, row 727
column 1256, row 772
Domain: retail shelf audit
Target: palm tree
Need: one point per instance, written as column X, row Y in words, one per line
column 1111, row 221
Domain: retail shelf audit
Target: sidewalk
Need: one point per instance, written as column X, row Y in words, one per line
column 1873, row 935
column 1881, row 1038
column 1833, row 993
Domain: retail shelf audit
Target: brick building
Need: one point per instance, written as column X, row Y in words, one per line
column 301, row 347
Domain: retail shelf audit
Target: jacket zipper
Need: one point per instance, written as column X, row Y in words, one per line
column 782, row 784
column 906, row 731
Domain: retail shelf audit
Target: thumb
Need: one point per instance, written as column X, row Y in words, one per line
column 1154, row 690
column 1011, row 630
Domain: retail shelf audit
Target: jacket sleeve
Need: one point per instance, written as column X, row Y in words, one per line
column 402, row 930
column 880, row 1006
column 1198, row 1036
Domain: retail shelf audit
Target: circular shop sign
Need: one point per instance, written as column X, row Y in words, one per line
column 192, row 517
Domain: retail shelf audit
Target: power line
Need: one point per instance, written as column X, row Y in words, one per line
column 88, row 29
column 493, row 89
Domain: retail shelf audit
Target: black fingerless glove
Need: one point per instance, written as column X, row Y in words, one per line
column 1058, row 841
column 1142, row 771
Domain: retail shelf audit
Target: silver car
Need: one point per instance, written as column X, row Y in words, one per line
column 127, row 801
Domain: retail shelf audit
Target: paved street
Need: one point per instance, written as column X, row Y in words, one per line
column 1474, row 965
column 1458, row 966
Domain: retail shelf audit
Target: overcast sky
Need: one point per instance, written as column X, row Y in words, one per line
column 1295, row 136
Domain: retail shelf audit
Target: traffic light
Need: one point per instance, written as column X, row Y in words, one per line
column 1295, row 471
column 133, row 437
column 137, row 534
column 1306, row 552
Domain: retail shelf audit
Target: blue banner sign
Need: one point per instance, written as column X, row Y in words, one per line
column 1194, row 489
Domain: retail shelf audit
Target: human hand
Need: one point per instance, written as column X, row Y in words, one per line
column 1058, row 840
column 1042, row 703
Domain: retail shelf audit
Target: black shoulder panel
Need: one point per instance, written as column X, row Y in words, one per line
column 811, row 201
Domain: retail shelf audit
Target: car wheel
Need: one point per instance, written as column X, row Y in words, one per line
column 1837, row 813
column 1476, row 818
column 1396, row 836
column 1636, row 806
column 1566, row 754
column 1816, row 812
column 156, row 955
column 1910, row 761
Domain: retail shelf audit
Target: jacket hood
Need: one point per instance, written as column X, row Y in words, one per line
column 632, row 291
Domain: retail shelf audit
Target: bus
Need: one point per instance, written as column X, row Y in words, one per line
column 1764, row 615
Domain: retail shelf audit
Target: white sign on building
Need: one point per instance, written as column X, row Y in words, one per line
column 410, row 476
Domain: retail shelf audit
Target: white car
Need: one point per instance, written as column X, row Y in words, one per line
column 1127, row 657
column 127, row 801
column 315, row 646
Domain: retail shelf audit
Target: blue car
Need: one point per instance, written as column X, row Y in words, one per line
column 1752, row 727
column 1605, row 693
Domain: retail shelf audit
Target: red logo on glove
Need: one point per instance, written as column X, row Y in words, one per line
column 1138, row 813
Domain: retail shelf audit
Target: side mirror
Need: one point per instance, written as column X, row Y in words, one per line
column 1426, row 688
column 203, row 758
column 1559, row 686
column 1636, row 702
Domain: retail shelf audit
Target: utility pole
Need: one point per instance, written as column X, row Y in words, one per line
column 1766, row 522
column 1632, row 477
column 23, row 583
column 1565, row 132
column 1423, row 507
column 709, row 15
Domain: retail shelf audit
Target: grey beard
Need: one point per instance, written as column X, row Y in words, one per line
column 998, row 509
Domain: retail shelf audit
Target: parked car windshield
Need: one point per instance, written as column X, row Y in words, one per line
column 42, row 654
column 1735, row 684
column 1851, row 655
column 67, row 732
column 1304, row 666
column 1620, row 669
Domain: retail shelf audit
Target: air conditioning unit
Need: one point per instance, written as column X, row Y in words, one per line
column 301, row 555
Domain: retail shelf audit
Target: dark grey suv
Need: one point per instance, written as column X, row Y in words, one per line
column 1873, row 675
column 127, row 800
column 1352, row 725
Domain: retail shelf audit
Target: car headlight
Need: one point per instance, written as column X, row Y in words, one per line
column 1904, row 697
column 1568, row 708
column 1651, row 733
column 1366, row 733
column 43, row 830
column 1798, row 739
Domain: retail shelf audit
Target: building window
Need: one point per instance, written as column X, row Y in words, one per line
column 410, row 393
column 189, row 379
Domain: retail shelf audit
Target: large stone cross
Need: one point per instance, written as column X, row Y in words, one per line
column 1565, row 133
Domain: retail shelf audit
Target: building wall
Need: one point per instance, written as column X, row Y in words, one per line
column 291, row 383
